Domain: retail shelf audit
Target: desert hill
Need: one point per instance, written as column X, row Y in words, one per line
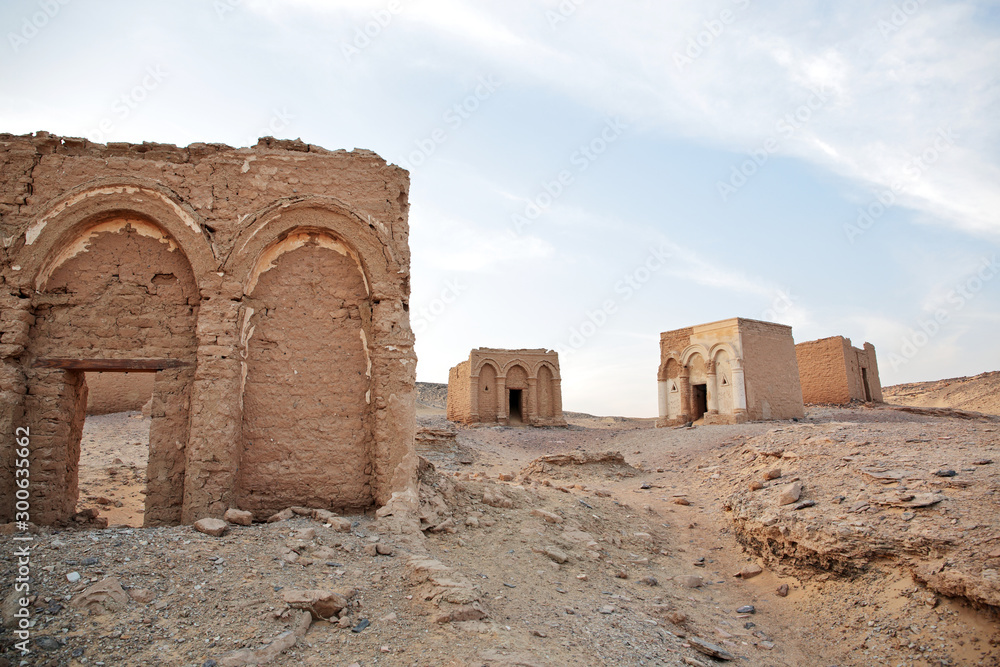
column 980, row 393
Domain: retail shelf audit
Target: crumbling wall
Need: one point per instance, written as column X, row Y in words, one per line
column 151, row 252
column 459, row 388
column 832, row 371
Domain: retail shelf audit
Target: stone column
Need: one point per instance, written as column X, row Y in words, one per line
column 712, row 390
column 531, row 401
column 739, row 391
column 662, row 392
column 503, row 401
column 685, row 388
column 168, row 434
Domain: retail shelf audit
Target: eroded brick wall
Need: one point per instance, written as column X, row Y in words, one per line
column 150, row 251
column 832, row 371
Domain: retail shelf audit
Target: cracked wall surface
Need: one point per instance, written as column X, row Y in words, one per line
column 275, row 279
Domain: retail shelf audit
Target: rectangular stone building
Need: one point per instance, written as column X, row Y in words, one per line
column 832, row 371
column 266, row 290
column 728, row 372
column 509, row 387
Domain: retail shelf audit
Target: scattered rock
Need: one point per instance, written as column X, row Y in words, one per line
column 283, row 515
column 323, row 516
column 495, row 498
column 142, row 595
column 340, row 524
column 322, row 604
column 790, row 493
column 746, row 609
column 558, row 555
column 263, row 656
column 982, row 462
column 689, row 580
column 945, row 472
column 804, row 504
column 549, row 517
column 774, row 473
column 755, row 486
column 73, row 577
column 48, row 643
column 212, row 527
column 238, row 517
column 606, row 609
column 709, row 649
column 103, row 597
column 306, row 534
column 680, row 500
column 383, row 549
column 750, row 571
column 462, row 613
column 782, row 590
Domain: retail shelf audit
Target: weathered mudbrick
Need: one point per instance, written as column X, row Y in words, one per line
column 507, row 387
column 832, row 371
column 267, row 287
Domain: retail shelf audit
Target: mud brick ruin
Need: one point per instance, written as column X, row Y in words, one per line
column 728, row 372
column 832, row 371
column 266, row 288
column 509, row 387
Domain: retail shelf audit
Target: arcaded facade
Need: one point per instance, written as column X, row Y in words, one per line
column 832, row 371
column 728, row 372
column 265, row 290
column 509, row 387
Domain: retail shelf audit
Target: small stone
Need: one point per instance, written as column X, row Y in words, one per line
column 650, row 581
column 689, row 580
column 907, row 516
column 383, row 549
column 680, row 500
column 746, row 609
column 549, row 517
column 238, row 517
column 340, row 524
column 73, row 577
column 472, row 522
column 370, row 550
column 555, row 554
column 211, row 527
column 774, row 473
column 344, row 622
column 305, row 534
column 750, row 571
column 756, row 486
column 47, row 643
column 709, row 649
column 581, row 577
column 945, row 472
column 790, row 493
column 804, row 504
column 783, row 590
column 539, row 633
column 362, row 624
column 283, row 515
column 606, row 609
column 89, row 561
column 141, row 595
column 645, row 485
column 982, row 462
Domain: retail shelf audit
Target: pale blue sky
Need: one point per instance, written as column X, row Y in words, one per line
column 490, row 103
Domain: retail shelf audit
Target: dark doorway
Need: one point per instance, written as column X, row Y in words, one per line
column 864, row 380
column 699, row 400
column 515, row 406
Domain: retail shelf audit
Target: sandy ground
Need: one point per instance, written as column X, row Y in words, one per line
column 621, row 597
